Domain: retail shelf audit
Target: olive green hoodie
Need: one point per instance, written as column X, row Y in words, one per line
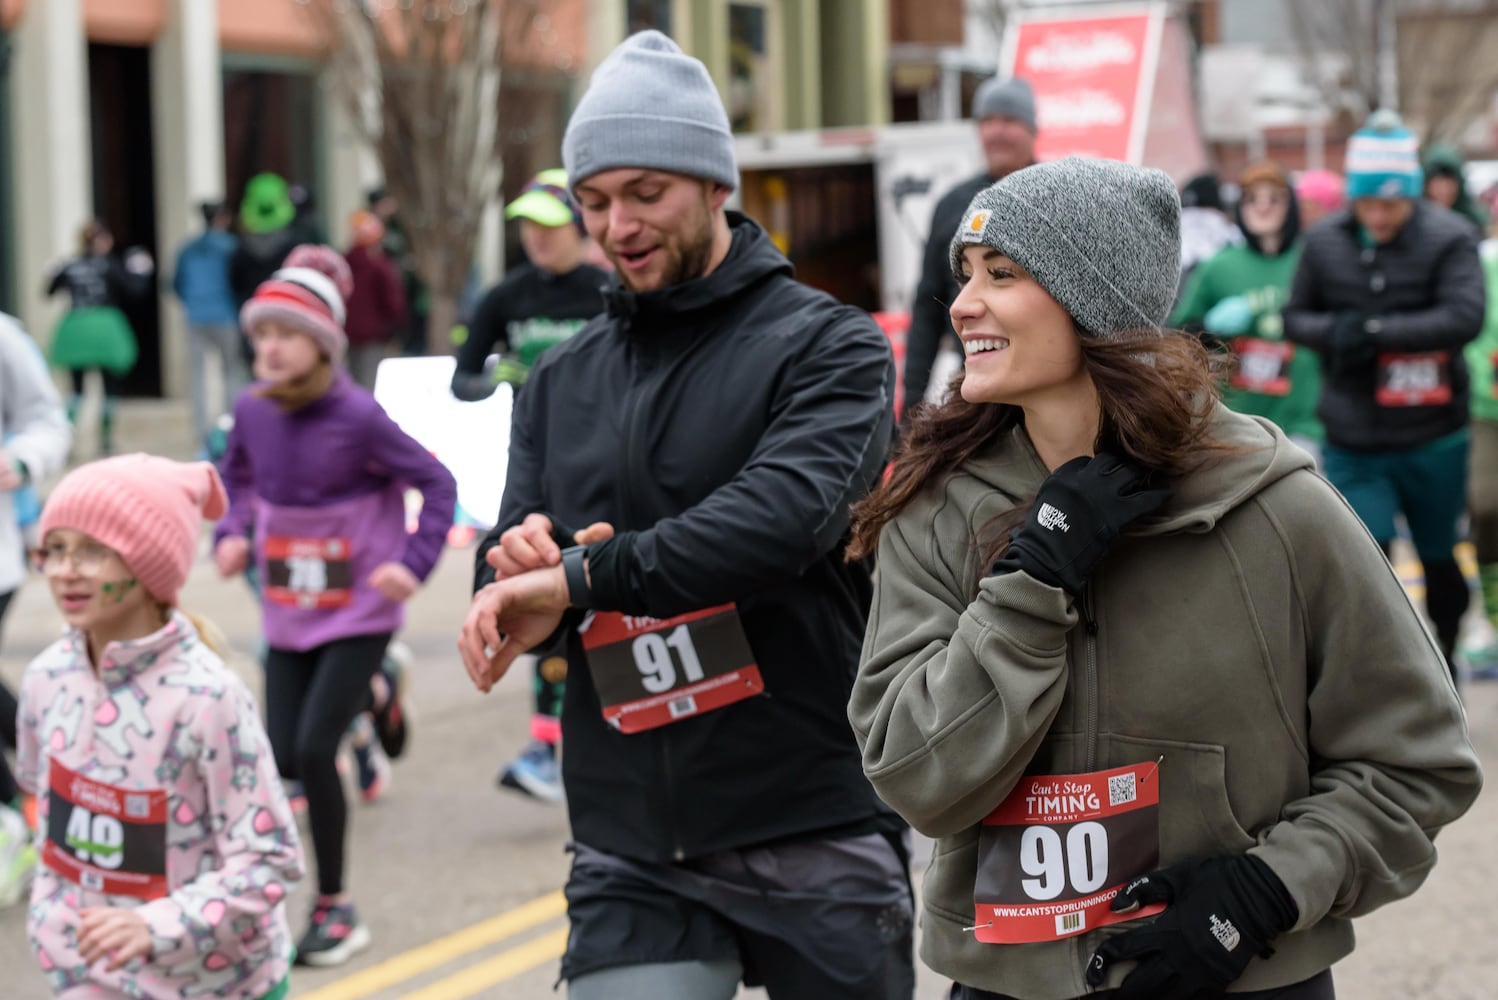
column 1251, row 634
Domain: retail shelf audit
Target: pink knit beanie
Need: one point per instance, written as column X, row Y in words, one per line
column 302, row 299
column 148, row 509
column 1323, row 187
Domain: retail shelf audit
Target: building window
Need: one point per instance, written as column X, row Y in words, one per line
column 752, row 86
column 642, row 14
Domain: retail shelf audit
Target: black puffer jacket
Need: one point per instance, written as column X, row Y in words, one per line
column 724, row 427
column 1420, row 293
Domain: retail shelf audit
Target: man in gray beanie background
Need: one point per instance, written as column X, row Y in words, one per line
column 1004, row 109
column 712, row 430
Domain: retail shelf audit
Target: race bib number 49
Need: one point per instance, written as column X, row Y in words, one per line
column 1055, row 853
column 308, row 572
column 651, row 672
column 106, row 839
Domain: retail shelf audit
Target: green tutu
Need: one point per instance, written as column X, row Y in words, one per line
column 94, row 337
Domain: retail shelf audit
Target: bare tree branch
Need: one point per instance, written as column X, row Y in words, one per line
column 422, row 83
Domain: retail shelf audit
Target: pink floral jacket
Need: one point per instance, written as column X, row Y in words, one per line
column 157, row 791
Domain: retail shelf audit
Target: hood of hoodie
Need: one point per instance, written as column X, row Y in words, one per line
column 751, row 258
column 1289, row 231
column 1441, row 158
column 267, row 204
column 1259, row 455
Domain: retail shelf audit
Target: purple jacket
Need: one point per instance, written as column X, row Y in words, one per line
column 322, row 489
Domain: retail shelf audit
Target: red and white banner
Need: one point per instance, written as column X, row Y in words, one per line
column 1093, row 73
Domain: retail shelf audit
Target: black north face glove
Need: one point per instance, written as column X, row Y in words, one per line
column 1078, row 513
column 1222, row 913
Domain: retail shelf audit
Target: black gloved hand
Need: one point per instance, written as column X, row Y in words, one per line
column 1222, row 912
column 1078, row 512
column 1352, row 347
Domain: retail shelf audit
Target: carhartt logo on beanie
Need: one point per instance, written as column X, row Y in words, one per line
column 649, row 105
column 304, row 300
column 148, row 509
column 1383, row 159
column 1102, row 237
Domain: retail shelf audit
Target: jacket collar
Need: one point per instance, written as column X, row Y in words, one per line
column 122, row 662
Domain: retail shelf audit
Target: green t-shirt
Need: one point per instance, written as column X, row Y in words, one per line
column 1274, row 378
column 1482, row 353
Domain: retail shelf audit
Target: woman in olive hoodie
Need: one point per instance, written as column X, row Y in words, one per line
column 1138, row 669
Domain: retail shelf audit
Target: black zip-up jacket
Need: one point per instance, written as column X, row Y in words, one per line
column 724, row 426
column 1422, row 291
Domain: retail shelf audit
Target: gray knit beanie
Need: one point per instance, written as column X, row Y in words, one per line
column 1011, row 97
column 650, row 105
column 1102, row 237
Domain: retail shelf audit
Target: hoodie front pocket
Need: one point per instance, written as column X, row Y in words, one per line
column 1196, row 818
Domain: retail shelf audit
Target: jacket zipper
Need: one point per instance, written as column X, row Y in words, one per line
column 633, row 406
column 1089, row 677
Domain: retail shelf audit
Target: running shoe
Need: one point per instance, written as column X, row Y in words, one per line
column 334, row 936
column 296, row 796
column 370, row 760
column 390, row 717
column 1483, row 660
column 17, row 857
column 535, row 772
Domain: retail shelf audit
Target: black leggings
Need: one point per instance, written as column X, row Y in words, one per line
column 8, row 711
column 311, row 697
column 1315, row 988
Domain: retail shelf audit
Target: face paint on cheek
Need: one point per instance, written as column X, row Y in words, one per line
column 116, row 591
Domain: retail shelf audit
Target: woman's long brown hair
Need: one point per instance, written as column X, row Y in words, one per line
column 1154, row 391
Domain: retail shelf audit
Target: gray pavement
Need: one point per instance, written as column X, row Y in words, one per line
column 458, row 880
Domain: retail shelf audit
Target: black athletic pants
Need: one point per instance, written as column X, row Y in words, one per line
column 311, row 697
column 8, row 710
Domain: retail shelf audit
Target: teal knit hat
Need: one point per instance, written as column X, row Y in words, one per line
column 1383, row 159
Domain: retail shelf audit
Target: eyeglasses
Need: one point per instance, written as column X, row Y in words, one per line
column 88, row 559
column 1270, row 197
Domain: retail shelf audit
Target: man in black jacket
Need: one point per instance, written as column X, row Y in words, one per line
column 711, row 431
column 1005, row 112
column 1387, row 293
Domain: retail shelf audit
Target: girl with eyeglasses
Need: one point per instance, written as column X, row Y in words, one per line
column 167, row 846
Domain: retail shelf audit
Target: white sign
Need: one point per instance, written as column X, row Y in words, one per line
column 471, row 439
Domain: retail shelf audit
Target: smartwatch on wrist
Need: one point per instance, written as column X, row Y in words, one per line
column 579, row 595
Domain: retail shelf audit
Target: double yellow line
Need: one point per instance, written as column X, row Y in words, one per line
column 475, row 978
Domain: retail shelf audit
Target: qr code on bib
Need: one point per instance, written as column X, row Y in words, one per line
column 1121, row 789
column 683, row 706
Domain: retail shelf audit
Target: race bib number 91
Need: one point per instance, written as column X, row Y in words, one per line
column 106, row 839
column 1057, row 851
column 651, row 672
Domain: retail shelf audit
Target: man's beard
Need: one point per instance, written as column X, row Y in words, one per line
column 686, row 260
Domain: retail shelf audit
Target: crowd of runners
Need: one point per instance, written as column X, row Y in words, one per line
column 1110, row 617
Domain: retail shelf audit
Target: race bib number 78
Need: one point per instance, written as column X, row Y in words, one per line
column 1055, row 853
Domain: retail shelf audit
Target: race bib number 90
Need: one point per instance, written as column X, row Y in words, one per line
column 308, row 572
column 1057, row 851
column 651, row 672
column 106, row 839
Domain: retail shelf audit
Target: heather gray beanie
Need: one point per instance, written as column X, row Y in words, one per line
column 650, row 105
column 1102, row 237
column 1011, row 97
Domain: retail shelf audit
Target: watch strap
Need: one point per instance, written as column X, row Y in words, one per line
column 578, row 593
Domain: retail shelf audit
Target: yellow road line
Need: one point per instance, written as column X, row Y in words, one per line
column 474, row 979
column 413, row 963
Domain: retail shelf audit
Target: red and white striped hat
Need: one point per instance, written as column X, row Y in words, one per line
column 305, row 300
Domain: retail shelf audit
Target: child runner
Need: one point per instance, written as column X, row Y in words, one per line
column 167, row 845
column 318, row 471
